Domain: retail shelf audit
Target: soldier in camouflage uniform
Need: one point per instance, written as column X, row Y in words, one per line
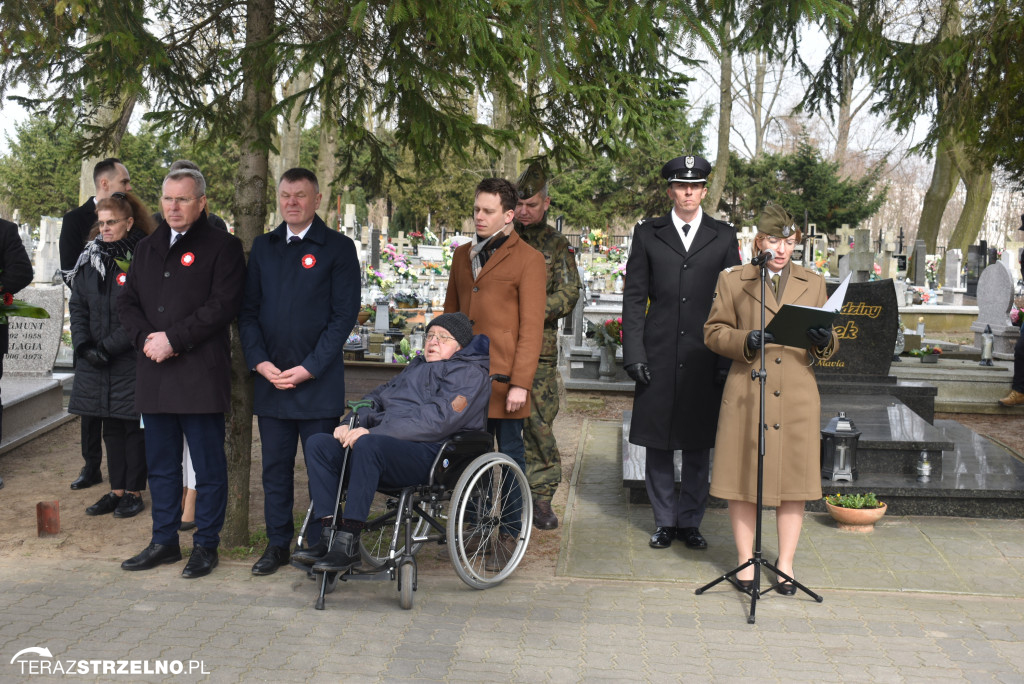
column 543, row 465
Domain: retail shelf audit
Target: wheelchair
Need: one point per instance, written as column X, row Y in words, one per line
column 477, row 502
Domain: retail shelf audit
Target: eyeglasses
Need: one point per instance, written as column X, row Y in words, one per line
column 111, row 223
column 441, row 339
column 775, row 241
column 185, row 201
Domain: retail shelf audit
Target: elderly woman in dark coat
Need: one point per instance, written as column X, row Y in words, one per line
column 105, row 375
column 792, row 406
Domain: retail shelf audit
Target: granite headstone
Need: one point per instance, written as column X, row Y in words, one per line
column 920, row 275
column 33, row 342
column 866, row 327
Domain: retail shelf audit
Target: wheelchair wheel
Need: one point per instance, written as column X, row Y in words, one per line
column 375, row 541
column 489, row 521
column 406, row 584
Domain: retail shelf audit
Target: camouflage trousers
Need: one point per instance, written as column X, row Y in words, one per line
column 543, row 465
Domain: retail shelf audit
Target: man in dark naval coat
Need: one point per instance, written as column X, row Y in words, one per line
column 673, row 264
column 301, row 301
column 183, row 290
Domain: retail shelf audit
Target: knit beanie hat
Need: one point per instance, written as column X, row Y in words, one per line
column 457, row 324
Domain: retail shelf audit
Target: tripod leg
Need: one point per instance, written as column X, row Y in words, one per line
column 729, row 577
column 783, row 577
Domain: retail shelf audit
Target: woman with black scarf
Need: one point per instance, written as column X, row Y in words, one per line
column 104, row 385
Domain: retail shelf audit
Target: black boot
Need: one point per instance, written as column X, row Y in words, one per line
column 314, row 553
column 343, row 555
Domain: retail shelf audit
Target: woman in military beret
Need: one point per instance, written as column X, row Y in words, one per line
column 792, row 405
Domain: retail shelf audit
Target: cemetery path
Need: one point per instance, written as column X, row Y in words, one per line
column 42, row 470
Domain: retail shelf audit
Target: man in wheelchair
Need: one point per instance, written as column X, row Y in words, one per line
column 439, row 394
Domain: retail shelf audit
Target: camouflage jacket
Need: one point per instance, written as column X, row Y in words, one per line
column 563, row 286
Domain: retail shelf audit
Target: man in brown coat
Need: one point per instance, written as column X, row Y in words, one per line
column 498, row 281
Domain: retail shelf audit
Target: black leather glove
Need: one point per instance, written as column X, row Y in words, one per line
column 819, row 337
column 95, row 357
column 640, row 373
column 721, row 375
column 754, row 339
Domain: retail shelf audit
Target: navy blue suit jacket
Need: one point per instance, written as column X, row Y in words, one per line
column 300, row 304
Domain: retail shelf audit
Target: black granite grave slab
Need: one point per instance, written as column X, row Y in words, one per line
column 893, row 437
column 975, row 478
column 918, row 396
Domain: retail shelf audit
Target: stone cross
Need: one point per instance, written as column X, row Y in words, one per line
column 402, row 243
column 862, row 259
column 746, row 237
column 350, row 216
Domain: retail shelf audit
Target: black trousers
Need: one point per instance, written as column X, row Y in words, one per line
column 92, row 442
column 126, row 453
column 1018, row 362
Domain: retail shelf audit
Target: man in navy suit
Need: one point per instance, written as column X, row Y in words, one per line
column 183, row 290
column 672, row 270
column 301, row 301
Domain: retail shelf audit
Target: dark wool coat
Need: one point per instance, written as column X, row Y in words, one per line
column 192, row 292
column 15, row 268
column 792, row 466
column 300, row 304
column 74, row 232
column 679, row 409
column 506, row 303
column 107, row 392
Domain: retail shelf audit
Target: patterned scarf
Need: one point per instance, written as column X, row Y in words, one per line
column 101, row 255
column 482, row 250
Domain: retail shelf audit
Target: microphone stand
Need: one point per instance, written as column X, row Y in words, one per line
column 755, row 592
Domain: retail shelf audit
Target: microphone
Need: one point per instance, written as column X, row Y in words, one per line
column 766, row 255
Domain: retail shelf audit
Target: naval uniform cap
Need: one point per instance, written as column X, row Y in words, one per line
column 687, row 169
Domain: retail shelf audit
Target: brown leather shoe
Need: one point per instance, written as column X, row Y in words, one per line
column 1014, row 398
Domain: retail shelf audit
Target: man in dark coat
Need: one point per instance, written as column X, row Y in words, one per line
column 674, row 262
column 15, row 274
column 301, row 301
column 183, row 290
column 109, row 176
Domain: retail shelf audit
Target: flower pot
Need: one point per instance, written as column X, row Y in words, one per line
column 856, row 519
column 930, row 358
column 363, row 317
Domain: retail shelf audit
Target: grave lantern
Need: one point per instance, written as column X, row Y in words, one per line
column 839, row 449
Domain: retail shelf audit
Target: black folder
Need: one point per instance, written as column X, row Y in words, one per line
column 791, row 324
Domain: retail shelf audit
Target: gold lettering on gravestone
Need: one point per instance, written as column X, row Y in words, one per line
column 860, row 309
column 847, row 331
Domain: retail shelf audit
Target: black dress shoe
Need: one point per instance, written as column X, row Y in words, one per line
column 744, row 585
column 314, row 553
column 187, row 525
column 130, row 506
column 662, row 537
column 273, row 558
column 200, row 563
column 784, row 587
column 152, row 556
column 107, row 504
column 692, row 538
column 87, row 478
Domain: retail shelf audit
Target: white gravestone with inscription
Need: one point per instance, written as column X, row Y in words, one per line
column 33, row 342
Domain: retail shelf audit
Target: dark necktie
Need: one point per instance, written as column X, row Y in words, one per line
column 177, row 236
column 293, row 239
column 775, row 285
column 686, row 228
